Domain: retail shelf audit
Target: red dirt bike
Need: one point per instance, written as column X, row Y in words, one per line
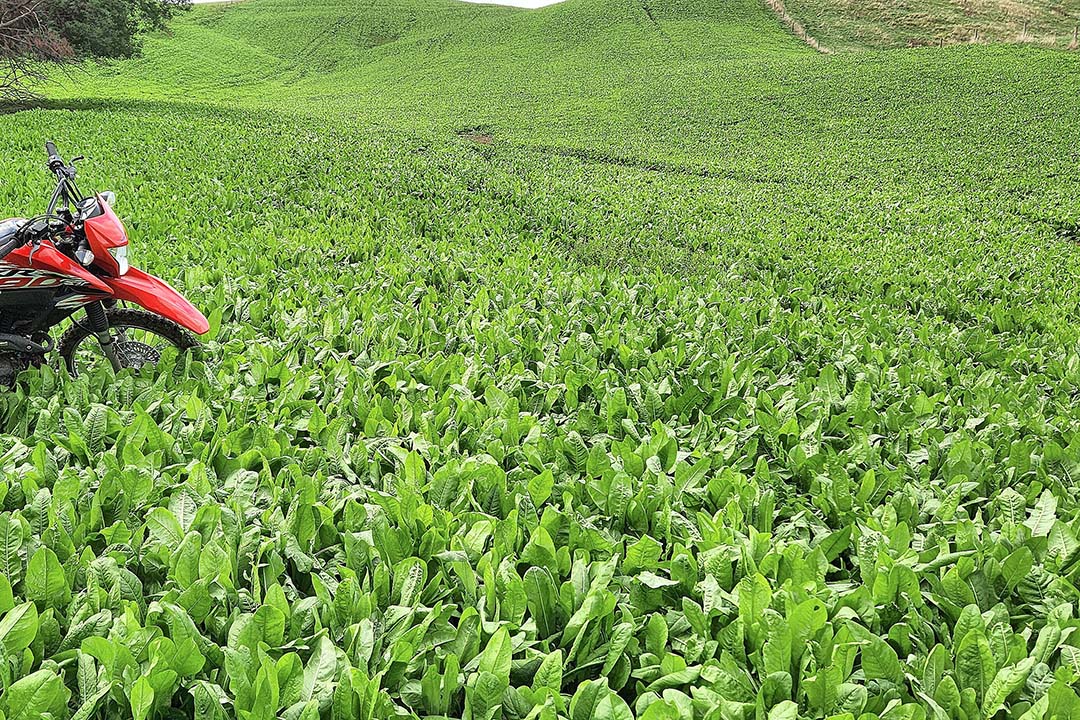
column 74, row 257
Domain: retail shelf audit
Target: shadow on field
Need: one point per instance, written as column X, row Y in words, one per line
column 1069, row 231
column 173, row 107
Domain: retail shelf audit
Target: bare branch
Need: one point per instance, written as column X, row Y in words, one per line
column 26, row 44
column 16, row 20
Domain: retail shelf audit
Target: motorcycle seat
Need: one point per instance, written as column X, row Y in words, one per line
column 9, row 239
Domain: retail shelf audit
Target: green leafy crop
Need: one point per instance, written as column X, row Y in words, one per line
column 580, row 363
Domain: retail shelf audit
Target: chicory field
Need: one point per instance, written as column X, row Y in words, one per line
column 577, row 363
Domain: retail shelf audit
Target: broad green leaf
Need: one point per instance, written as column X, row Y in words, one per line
column 483, row 695
column 656, row 635
column 1007, row 681
column 46, row 584
column 90, row 704
column 164, row 528
column 1041, row 518
column 879, row 660
column 550, row 672
column 540, row 487
column 497, row 655
column 975, row 667
column 29, row 698
column 141, row 696
column 620, row 638
column 11, row 540
column 654, row 581
column 612, row 707
column 18, row 628
column 643, row 554
column 754, row 596
column 1016, row 566
column 786, row 710
column 584, row 702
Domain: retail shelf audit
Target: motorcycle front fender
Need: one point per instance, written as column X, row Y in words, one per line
column 157, row 296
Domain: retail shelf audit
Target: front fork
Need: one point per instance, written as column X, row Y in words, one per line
column 99, row 324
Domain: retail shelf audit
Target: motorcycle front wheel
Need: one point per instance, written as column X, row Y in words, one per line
column 142, row 340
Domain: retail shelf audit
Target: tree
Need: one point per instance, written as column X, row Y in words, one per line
column 109, row 28
column 35, row 35
column 26, row 43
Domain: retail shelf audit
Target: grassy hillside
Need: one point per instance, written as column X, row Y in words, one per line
column 858, row 24
column 614, row 359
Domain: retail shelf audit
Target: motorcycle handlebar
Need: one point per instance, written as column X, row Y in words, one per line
column 55, row 161
column 40, row 228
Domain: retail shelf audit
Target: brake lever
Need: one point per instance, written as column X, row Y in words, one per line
column 37, row 230
column 35, row 243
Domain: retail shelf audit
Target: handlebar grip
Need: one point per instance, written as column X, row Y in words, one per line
column 54, row 156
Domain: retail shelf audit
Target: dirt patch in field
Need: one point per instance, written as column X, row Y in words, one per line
column 478, row 135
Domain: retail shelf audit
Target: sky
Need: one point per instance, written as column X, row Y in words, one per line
column 515, row 3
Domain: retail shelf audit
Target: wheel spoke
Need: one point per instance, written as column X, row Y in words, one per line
column 137, row 347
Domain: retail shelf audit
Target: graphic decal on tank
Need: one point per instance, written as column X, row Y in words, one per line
column 13, row 277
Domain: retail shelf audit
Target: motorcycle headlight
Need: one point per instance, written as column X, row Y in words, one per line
column 119, row 254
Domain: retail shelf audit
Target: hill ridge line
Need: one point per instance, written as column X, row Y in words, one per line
column 797, row 28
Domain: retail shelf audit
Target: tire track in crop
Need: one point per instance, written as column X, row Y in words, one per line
column 321, row 39
column 797, row 28
column 334, row 31
column 657, row 166
column 653, row 21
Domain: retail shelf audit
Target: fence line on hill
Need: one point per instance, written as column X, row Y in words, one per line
column 797, row 28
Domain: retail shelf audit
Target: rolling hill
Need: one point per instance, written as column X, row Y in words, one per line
column 613, row 359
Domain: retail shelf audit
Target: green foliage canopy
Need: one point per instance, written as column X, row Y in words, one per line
column 562, row 365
